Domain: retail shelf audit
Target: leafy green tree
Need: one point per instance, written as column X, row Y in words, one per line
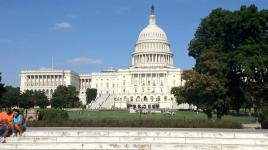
column 91, row 95
column 11, row 96
column 232, row 47
column 27, row 99
column 204, row 91
column 65, row 97
column 176, row 92
column 40, row 99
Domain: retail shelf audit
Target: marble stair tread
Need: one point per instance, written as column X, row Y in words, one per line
column 120, row 146
column 188, row 140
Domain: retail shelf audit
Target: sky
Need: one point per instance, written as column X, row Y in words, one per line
column 90, row 35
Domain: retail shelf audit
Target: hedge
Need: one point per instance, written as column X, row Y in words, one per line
column 138, row 123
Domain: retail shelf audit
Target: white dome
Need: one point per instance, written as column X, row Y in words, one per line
column 152, row 48
column 152, row 32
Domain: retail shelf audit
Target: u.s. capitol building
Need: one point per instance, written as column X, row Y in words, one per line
column 146, row 83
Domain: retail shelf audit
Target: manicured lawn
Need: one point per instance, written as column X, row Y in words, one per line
column 124, row 115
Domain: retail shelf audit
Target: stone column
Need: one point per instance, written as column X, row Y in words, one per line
column 55, row 80
column 50, row 80
column 47, row 80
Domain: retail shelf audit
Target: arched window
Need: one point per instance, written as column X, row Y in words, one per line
column 138, row 98
column 145, row 98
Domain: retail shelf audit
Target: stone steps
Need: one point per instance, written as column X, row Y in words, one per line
column 126, row 146
column 186, row 140
column 126, row 133
column 138, row 138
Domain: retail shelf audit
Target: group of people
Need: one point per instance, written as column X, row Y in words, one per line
column 12, row 123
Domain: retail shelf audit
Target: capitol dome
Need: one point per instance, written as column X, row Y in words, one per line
column 152, row 48
column 152, row 32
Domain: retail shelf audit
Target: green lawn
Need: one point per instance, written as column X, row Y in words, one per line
column 124, row 115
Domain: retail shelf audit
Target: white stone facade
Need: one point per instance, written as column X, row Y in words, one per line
column 47, row 80
column 146, row 83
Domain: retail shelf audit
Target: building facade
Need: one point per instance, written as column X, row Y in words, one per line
column 146, row 83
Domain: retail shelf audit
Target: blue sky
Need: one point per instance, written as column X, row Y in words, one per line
column 90, row 35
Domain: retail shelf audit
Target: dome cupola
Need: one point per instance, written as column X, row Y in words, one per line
column 152, row 48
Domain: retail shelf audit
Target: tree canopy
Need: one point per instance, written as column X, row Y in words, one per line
column 65, row 97
column 10, row 97
column 231, row 53
column 91, row 95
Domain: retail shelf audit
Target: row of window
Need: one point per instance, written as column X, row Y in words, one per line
column 45, row 76
column 152, row 46
column 143, row 90
column 107, row 85
column 144, row 98
column 152, row 34
column 148, row 83
column 44, row 84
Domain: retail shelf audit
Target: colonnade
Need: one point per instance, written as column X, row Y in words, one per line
column 152, row 58
column 44, row 80
column 149, row 79
column 84, row 83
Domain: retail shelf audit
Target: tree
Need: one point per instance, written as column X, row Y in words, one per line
column 232, row 47
column 204, row 91
column 65, row 97
column 176, row 92
column 11, row 96
column 2, row 90
column 91, row 95
column 27, row 99
column 40, row 99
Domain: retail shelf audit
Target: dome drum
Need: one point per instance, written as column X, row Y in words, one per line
column 152, row 60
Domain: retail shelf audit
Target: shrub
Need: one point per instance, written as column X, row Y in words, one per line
column 264, row 124
column 138, row 123
column 264, row 116
column 53, row 114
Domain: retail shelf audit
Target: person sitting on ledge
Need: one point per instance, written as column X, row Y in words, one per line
column 19, row 122
column 6, row 124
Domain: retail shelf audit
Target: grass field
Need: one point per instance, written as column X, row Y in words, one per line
column 124, row 115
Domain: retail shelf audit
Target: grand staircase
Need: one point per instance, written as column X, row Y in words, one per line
column 105, row 101
column 138, row 138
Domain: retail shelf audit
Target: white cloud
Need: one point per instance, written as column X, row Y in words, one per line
column 83, row 61
column 62, row 25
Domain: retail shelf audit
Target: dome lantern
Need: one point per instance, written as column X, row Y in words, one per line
column 152, row 19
